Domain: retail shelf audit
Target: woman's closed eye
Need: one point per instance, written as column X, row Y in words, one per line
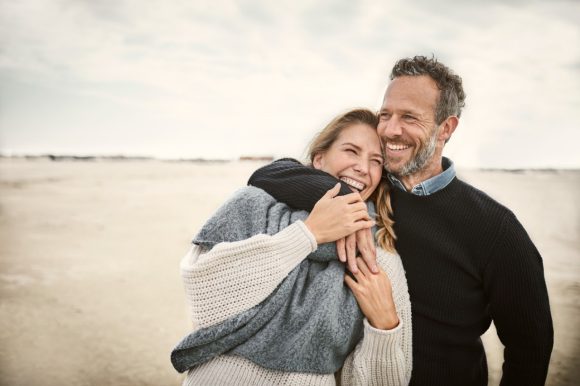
column 377, row 161
column 350, row 150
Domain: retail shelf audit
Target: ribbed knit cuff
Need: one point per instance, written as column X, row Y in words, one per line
column 308, row 234
column 378, row 343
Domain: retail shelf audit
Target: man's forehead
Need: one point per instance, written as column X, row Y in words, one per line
column 411, row 93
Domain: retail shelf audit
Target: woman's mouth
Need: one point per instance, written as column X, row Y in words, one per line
column 357, row 185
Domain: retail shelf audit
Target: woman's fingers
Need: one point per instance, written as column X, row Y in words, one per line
column 361, row 240
column 355, row 207
column 341, row 249
column 352, row 284
column 362, row 271
column 362, row 266
column 362, row 224
column 332, row 192
column 352, row 198
column 351, row 252
column 334, row 217
column 366, row 246
column 374, row 296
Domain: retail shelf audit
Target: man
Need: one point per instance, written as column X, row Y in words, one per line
column 467, row 258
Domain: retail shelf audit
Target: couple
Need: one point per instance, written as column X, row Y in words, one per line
column 258, row 269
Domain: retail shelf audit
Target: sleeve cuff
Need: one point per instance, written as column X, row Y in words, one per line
column 380, row 342
column 308, row 234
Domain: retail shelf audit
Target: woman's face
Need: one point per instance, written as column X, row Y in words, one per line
column 355, row 158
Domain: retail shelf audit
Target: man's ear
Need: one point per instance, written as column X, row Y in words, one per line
column 448, row 127
column 317, row 161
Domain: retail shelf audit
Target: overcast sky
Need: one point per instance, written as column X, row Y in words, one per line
column 220, row 79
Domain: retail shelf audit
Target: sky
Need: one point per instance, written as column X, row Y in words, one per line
column 223, row 79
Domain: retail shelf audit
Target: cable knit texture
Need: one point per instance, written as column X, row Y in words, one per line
column 261, row 262
column 309, row 323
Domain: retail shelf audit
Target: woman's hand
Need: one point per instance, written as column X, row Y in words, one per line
column 362, row 240
column 374, row 295
column 335, row 217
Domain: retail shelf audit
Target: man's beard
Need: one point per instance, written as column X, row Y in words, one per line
column 420, row 160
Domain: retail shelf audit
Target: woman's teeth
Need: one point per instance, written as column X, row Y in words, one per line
column 354, row 183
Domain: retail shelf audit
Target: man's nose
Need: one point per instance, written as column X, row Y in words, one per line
column 390, row 127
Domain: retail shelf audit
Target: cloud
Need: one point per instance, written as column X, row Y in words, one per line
column 266, row 77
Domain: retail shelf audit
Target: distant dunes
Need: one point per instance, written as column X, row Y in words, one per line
column 91, row 158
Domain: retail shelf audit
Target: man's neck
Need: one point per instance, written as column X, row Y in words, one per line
column 431, row 170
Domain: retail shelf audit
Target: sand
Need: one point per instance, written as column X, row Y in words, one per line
column 90, row 292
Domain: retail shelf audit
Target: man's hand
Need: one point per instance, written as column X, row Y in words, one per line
column 335, row 217
column 374, row 295
column 364, row 241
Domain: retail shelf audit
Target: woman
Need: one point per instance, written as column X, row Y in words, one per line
column 232, row 278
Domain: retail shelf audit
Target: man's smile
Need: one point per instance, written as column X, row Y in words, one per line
column 396, row 146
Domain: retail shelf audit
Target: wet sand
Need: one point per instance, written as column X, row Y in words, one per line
column 90, row 292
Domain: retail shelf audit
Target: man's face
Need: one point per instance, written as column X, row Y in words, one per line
column 407, row 125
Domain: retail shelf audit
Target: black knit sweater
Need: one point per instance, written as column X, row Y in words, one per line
column 468, row 261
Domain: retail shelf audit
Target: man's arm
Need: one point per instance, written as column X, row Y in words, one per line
column 519, row 305
column 292, row 183
column 299, row 186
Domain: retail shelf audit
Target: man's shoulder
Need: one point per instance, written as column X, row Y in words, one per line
column 477, row 199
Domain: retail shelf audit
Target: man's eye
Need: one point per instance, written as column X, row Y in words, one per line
column 384, row 116
column 408, row 117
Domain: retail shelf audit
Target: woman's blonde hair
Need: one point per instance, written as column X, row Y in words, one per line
column 381, row 196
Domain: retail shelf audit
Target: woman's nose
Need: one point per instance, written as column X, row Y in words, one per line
column 361, row 167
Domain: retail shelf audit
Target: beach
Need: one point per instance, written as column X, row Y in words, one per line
column 90, row 292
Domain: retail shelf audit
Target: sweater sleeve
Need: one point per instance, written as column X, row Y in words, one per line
column 384, row 357
column 235, row 276
column 292, row 183
column 519, row 305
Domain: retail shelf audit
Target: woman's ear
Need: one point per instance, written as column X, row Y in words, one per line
column 317, row 161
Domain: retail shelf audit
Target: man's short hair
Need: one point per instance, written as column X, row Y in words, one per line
column 451, row 94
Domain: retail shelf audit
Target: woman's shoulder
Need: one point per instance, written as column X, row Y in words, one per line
column 249, row 195
column 391, row 262
column 250, row 191
column 391, row 256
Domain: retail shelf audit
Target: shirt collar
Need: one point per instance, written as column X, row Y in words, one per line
column 431, row 185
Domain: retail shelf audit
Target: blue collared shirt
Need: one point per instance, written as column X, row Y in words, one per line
column 431, row 185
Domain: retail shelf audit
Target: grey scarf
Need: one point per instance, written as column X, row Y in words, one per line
column 310, row 323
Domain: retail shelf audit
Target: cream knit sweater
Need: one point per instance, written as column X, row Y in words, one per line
column 234, row 277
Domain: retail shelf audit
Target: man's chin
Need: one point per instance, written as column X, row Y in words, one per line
column 394, row 169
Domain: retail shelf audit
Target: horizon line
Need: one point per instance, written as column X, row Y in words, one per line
column 256, row 158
